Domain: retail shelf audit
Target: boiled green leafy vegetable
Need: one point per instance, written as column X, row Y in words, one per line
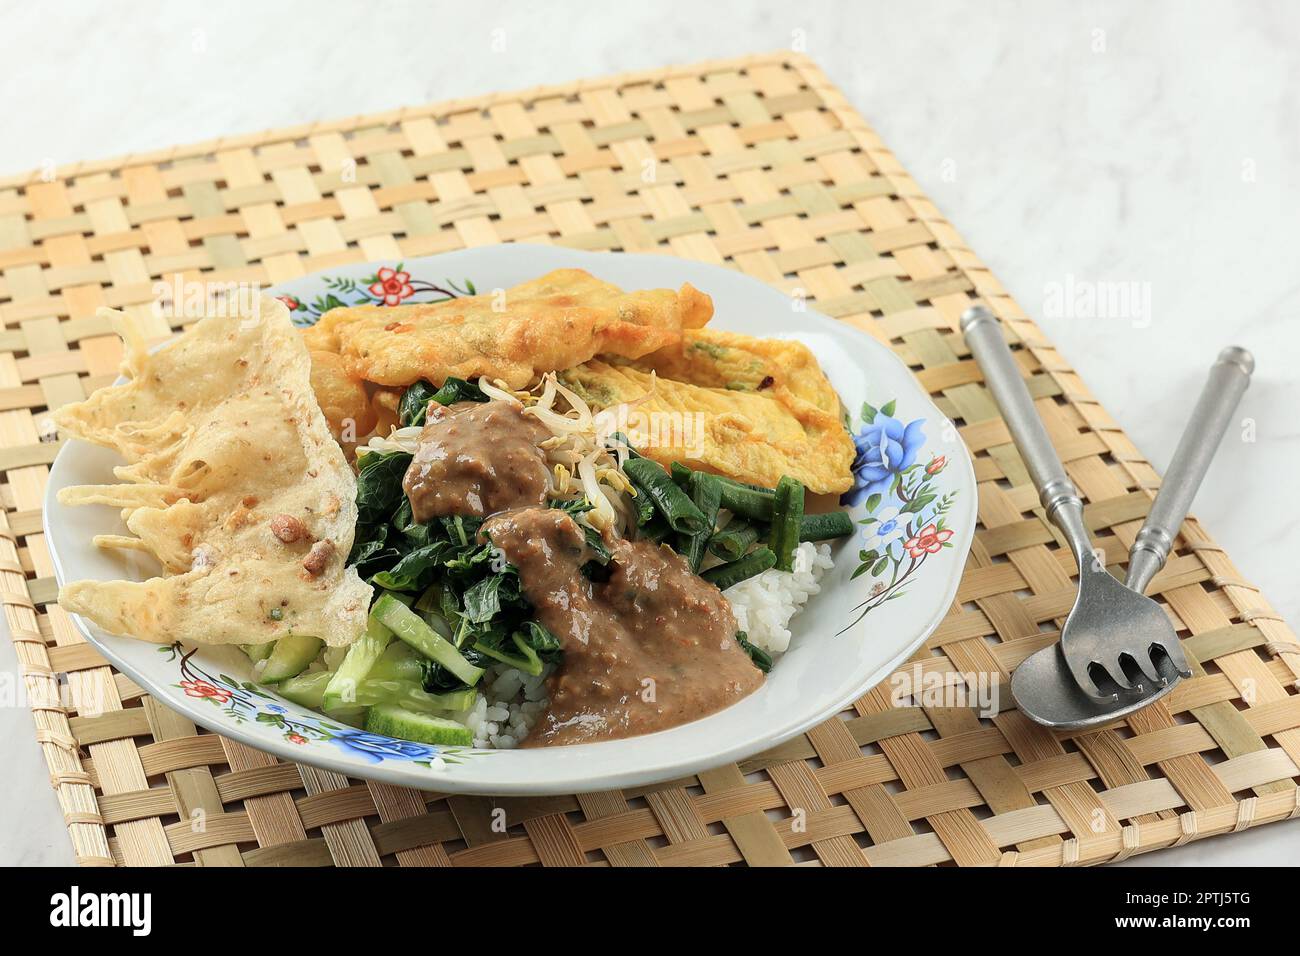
column 414, row 406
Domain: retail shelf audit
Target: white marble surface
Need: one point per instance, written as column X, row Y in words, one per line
column 1088, row 143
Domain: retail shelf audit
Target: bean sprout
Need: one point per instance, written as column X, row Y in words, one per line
column 584, row 461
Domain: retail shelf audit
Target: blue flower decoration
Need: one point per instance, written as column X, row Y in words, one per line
column 377, row 748
column 885, row 448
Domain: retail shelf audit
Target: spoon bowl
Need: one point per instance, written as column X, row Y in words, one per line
column 1045, row 691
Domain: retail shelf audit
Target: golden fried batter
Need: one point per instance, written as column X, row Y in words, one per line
column 342, row 398
column 780, row 368
column 554, row 322
column 753, row 435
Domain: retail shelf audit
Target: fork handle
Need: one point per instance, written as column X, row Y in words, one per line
column 1055, row 489
column 1227, row 381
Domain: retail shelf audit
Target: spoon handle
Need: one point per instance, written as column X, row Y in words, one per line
column 1227, row 381
column 1055, row 490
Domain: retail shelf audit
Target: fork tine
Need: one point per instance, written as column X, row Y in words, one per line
column 1142, row 666
column 1105, row 690
column 1172, row 652
column 1129, row 684
column 1168, row 671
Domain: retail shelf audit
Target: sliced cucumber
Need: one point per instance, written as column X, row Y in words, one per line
column 430, row 608
column 431, row 599
column 393, row 721
column 412, row 629
column 352, row 716
column 413, row 696
column 258, row 652
column 400, row 661
column 305, row 689
column 332, row 657
column 361, row 657
column 291, row 656
column 439, row 624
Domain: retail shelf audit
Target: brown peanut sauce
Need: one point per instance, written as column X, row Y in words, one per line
column 651, row 647
column 476, row 458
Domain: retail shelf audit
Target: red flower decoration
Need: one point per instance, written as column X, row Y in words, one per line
column 928, row 541
column 936, row 465
column 201, row 688
column 292, row 304
column 391, row 286
column 295, row 738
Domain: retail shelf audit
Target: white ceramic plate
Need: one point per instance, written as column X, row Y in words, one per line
column 864, row 624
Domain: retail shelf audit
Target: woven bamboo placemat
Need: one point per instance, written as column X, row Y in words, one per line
column 759, row 164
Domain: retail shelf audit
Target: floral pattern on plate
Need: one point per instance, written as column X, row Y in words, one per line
column 906, row 507
column 241, row 702
column 388, row 285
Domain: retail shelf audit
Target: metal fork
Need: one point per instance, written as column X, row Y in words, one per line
column 1115, row 641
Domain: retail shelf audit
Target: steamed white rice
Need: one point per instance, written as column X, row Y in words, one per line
column 510, row 701
column 508, row 704
column 765, row 603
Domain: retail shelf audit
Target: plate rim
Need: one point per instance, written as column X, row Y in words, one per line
column 453, row 782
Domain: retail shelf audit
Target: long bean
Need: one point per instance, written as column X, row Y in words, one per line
column 657, row 530
column 761, row 658
column 746, row 484
column 645, row 510
column 673, row 503
column 832, row 524
column 734, row 540
column 706, row 492
column 747, row 501
column 725, row 575
column 787, row 514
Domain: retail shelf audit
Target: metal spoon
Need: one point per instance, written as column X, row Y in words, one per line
column 1042, row 685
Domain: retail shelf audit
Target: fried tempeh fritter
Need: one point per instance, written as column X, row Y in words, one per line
column 554, row 322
